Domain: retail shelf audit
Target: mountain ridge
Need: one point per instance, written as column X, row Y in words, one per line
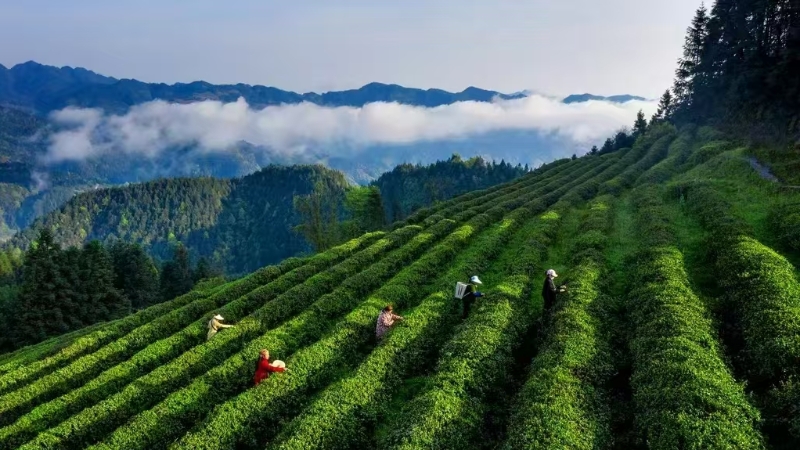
column 44, row 88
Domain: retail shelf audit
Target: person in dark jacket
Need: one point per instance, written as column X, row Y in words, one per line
column 549, row 290
column 470, row 295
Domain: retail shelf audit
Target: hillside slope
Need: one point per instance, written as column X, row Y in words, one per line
column 242, row 223
column 657, row 341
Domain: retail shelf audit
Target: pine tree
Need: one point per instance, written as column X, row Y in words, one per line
column 665, row 108
column 102, row 300
column 608, row 146
column 204, row 270
column 688, row 76
column 319, row 216
column 135, row 274
column 71, row 291
column 594, row 150
column 38, row 313
column 176, row 275
column 640, row 126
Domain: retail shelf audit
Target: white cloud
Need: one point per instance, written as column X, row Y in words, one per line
column 211, row 126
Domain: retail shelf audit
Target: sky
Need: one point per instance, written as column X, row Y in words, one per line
column 557, row 47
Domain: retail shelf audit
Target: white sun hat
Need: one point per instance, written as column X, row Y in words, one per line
column 475, row 279
column 218, row 317
column 552, row 273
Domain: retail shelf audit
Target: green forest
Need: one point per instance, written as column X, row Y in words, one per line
column 676, row 325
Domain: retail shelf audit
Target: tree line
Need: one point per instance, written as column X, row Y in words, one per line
column 334, row 213
column 50, row 291
column 739, row 70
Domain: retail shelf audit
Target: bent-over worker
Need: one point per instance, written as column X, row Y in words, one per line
column 215, row 324
column 264, row 368
column 386, row 320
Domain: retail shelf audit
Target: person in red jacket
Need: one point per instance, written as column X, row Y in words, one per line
column 263, row 367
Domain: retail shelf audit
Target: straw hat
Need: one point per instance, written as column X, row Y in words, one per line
column 218, row 317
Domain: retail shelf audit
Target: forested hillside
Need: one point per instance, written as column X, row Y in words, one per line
column 242, row 224
column 410, row 187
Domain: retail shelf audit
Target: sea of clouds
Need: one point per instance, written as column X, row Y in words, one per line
column 151, row 128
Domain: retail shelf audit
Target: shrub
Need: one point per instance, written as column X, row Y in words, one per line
column 339, row 414
column 92, row 422
column 563, row 404
column 478, row 356
column 684, row 395
column 95, row 340
column 784, row 219
column 759, row 284
column 236, row 421
column 85, row 368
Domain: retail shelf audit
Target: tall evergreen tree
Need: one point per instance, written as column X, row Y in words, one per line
column 665, row 108
column 40, row 307
column 366, row 208
column 176, row 275
column 71, row 290
column 102, row 301
column 319, row 213
column 640, row 126
column 135, row 274
column 688, row 75
column 204, row 270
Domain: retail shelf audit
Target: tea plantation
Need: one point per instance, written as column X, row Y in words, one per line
column 679, row 329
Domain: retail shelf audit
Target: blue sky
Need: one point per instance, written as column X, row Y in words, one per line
column 551, row 46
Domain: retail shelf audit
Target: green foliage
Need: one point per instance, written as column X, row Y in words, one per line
column 337, row 417
column 365, row 207
column 238, row 298
column 564, row 404
column 280, row 298
column 47, row 303
column 784, row 219
column 649, row 149
column 176, row 275
column 152, row 379
column 100, row 301
column 684, row 394
column 479, row 354
column 319, row 214
column 92, row 342
column 758, row 283
column 738, row 70
column 409, row 187
column 135, row 274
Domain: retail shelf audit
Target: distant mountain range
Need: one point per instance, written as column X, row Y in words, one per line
column 30, row 188
column 41, row 88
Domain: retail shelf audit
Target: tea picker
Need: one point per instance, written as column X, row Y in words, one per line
column 467, row 293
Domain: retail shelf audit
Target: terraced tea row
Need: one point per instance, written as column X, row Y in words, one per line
column 56, row 416
column 153, row 380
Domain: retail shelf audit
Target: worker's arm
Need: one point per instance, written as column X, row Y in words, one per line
column 272, row 368
column 222, row 325
column 396, row 317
